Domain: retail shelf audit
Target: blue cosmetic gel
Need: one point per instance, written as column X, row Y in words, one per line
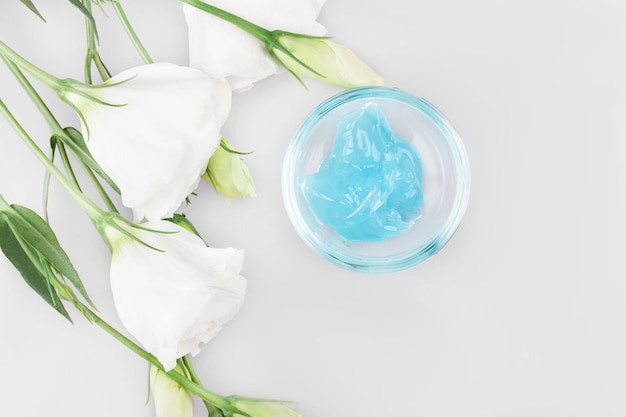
column 369, row 188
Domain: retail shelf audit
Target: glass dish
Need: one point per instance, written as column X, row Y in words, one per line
column 446, row 180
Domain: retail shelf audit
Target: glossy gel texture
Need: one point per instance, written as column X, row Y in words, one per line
column 369, row 188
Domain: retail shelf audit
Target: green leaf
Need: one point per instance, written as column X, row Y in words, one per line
column 34, row 231
column 14, row 252
column 78, row 146
column 79, row 5
column 31, row 6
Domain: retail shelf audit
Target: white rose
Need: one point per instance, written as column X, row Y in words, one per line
column 172, row 292
column 153, row 129
column 223, row 50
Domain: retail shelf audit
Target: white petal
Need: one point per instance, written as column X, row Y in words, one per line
column 222, row 50
column 172, row 301
column 156, row 138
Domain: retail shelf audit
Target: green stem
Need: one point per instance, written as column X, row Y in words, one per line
column 91, row 44
column 68, row 166
column 56, row 129
column 54, row 125
column 192, row 373
column 186, row 362
column 193, row 387
column 49, row 80
column 93, row 56
column 93, row 211
column 56, row 84
column 102, row 70
column 258, row 32
column 131, row 32
column 66, row 293
column 99, row 188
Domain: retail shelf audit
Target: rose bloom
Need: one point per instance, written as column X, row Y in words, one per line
column 171, row 291
column 152, row 129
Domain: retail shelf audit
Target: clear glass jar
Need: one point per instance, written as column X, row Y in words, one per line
column 446, row 179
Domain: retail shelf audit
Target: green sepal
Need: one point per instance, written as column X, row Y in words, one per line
column 32, row 8
column 47, row 177
column 15, row 253
column 77, row 145
column 224, row 145
column 184, row 222
column 36, row 232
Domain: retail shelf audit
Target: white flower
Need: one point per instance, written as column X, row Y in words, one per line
column 170, row 398
column 177, row 295
column 155, row 134
column 223, row 50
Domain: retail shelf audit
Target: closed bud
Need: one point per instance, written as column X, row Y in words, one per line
column 324, row 60
column 170, row 398
column 263, row 408
column 228, row 174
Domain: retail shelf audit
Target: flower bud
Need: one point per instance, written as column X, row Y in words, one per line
column 170, row 398
column 325, row 61
column 228, row 174
column 263, row 408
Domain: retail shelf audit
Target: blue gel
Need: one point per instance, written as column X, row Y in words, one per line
column 369, row 188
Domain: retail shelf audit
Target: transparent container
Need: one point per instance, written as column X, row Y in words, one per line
column 446, row 180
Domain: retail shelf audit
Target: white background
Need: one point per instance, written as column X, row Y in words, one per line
column 523, row 313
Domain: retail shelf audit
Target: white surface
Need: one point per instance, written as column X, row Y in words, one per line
column 523, row 313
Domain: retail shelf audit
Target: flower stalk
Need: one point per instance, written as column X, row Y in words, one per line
column 66, row 293
column 57, row 130
column 130, row 31
column 62, row 87
column 93, row 211
column 93, row 56
column 49, row 80
column 211, row 408
column 99, row 217
column 55, row 127
column 258, row 32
